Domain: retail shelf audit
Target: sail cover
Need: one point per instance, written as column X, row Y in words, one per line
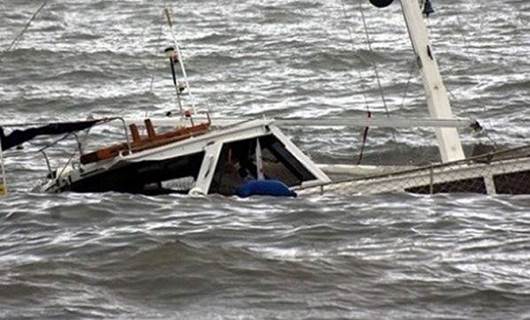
column 17, row 136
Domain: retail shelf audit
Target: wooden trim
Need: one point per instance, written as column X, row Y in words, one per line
column 152, row 141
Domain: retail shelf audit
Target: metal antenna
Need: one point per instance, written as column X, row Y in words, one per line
column 172, row 60
column 180, row 61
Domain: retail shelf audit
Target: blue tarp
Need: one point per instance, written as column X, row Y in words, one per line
column 273, row 188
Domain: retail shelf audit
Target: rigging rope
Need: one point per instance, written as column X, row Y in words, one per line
column 352, row 42
column 376, row 71
column 365, row 138
column 374, row 66
column 405, row 93
column 21, row 33
column 239, row 49
column 365, row 130
column 153, row 74
column 489, row 121
column 467, row 51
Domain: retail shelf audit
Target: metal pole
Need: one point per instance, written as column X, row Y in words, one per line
column 179, row 56
column 350, row 122
column 129, row 147
column 3, row 186
column 259, row 161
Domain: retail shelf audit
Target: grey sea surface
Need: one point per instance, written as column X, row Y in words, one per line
column 391, row 256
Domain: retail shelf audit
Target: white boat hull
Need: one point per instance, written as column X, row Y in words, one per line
column 507, row 176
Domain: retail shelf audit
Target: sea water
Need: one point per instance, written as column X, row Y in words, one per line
column 392, row 256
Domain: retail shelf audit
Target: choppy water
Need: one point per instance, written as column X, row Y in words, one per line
column 328, row 257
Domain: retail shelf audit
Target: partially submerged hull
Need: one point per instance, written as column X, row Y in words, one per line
column 199, row 160
column 222, row 160
column 508, row 174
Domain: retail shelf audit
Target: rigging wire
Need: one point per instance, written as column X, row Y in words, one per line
column 413, row 65
column 231, row 22
column 55, row 142
column 364, row 135
column 376, row 72
column 352, row 42
column 467, row 51
column 374, row 65
column 489, row 121
column 26, row 26
column 153, row 74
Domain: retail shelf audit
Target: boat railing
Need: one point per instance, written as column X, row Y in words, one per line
column 482, row 160
column 55, row 174
column 127, row 138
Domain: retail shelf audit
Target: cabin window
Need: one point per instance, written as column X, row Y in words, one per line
column 512, row 183
column 280, row 164
column 237, row 164
column 149, row 177
column 474, row 185
column 172, row 175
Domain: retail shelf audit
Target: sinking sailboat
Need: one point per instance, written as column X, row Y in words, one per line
column 198, row 155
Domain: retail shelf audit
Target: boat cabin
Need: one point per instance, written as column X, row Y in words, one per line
column 197, row 160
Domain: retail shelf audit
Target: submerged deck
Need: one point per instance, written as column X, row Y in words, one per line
column 505, row 172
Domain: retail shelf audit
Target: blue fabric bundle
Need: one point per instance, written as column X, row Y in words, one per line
column 273, row 188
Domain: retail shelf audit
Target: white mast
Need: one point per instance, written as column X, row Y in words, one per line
column 3, row 182
column 181, row 62
column 437, row 99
